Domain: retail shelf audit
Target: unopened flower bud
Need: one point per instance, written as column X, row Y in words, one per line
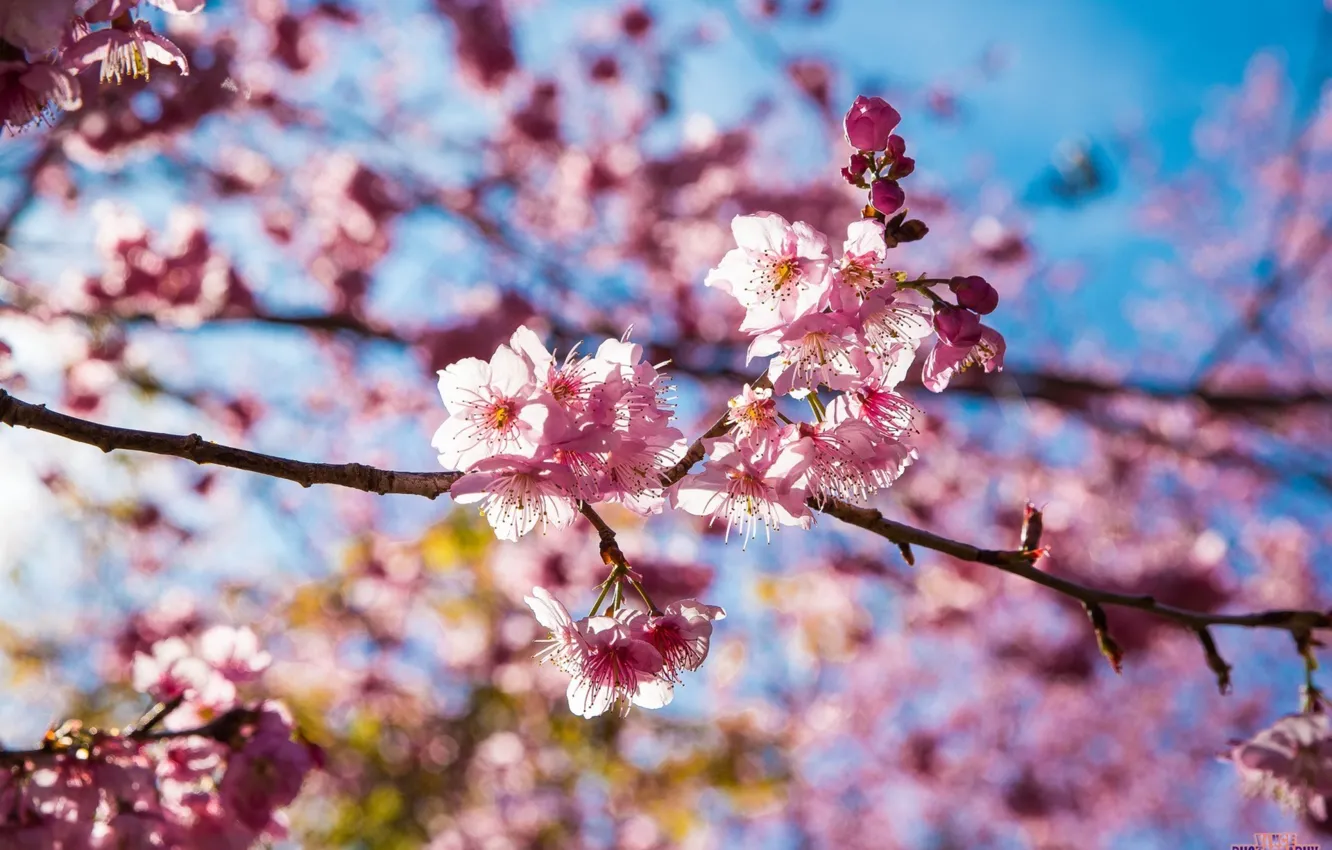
column 902, row 167
column 854, row 172
column 975, row 293
column 956, row 327
column 896, row 147
column 887, row 196
column 869, row 123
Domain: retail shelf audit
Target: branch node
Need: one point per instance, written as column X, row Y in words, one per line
column 1033, row 525
column 1217, row 664
column 907, row 554
column 1111, row 650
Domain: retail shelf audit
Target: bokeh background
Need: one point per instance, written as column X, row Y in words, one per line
column 280, row 249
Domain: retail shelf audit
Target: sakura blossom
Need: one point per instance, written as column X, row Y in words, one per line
column 1290, row 762
column 234, row 288
column 519, row 494
column 751, row 490
column 125, row 52
column 778, row 272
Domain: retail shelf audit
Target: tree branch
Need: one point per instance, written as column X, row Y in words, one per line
column 356, row 476
column 1022, row 563
column 432, row 484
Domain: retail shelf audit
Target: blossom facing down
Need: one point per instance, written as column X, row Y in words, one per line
column 122, row 52
column 566, row 647
column 778, row 272
column 849, row 460
column 945, row 361
column 519, row 493
column 748, row 489
column 618, row 670
column 627, row 659
column 869, row 122
column 681, row 633
column 1290, row 762
column 28, row 91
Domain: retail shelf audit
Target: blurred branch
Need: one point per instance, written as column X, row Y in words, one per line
column 18, row 413
column 81, row 744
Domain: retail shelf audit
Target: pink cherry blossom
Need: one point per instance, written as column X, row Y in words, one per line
column 634, row 467
column 618, row 670
column 862, row 269
column 28, row 91
column 494, row 408
column 888, row 321
column 267, row 772
column 753, row 415
column 876, row 403
column 869, row 122
column 849, row 460
column 778, row 272
column 566, row 648
column 945, row 361
column 748, row 489
column 681, row 633
column 818, row 349
column 125, row 52
column 1291, row 762
column 35, row 25
column 233, row 652
column 519, row 493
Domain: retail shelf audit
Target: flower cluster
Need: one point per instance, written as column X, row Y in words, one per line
column 45, row 43
column 848, row 324
column 536, row 435
column 201, row 769
column 1290, row 762
column 538, row 438
column 628, row 657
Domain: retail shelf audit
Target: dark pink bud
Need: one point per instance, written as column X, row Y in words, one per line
column 902, row 166
column 886, row 196
column 974, row 293
column 869, row 123
column 896, row 146
column 855, row 171
column 957, row 328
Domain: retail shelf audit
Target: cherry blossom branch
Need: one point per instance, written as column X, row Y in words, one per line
column 357, row 476
column 1022, row 563
column 16, row 412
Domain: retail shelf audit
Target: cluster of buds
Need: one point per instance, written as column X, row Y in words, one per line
column 880, row 159
column 45, row 44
